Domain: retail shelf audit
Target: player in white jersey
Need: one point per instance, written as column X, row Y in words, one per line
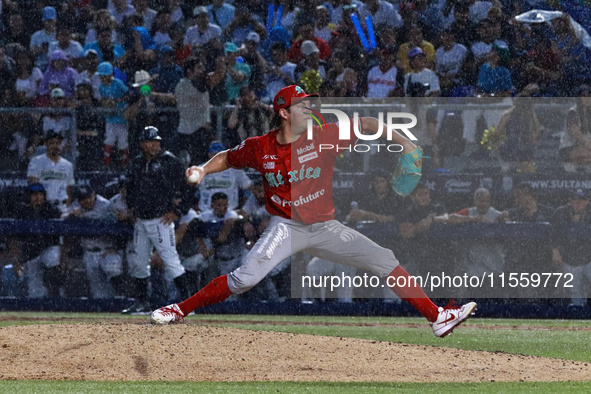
column 228, row 182
column 55, row 173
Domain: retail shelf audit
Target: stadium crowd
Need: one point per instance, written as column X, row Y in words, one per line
column 118, row 66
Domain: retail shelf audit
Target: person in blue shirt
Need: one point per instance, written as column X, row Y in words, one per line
column 114, row 94
column 493, row 78
column 104, row 47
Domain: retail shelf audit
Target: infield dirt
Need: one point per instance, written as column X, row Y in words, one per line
column 114, row 351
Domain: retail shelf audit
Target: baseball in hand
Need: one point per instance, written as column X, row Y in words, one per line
column 194, row 177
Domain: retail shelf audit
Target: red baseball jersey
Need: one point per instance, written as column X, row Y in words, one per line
column 297, row 177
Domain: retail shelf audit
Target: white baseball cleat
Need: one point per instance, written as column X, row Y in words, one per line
column 167, row 314
column 450, row 317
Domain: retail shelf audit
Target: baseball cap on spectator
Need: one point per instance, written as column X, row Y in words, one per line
column 105, row 68
column 230, row 47
column 90, row 52
column 580, row 194
column 49, row 14
column 57, row 93
column 141, row 77
column 308, row 48
column 414, row 52
column 216, row 147
column 53, row 134
column 254, row 37
column 288, row 96
column 165, row 50
column 199, row 10
column 84, row 192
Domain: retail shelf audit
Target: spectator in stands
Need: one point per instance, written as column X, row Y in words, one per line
column 63, row 42
column 203, row 31
column 569, row 254
column 90, row 126
column 193, row 97
column 379, row 205
column 576, row 56
column 104, row 266
column 177, row 42
column 518, row 132
column 59, row 74
column 415, row 40
column 160, row 31
column 487, row 40
column 463, row 28
column 55, row 173
column 89, row 68
column 40, row 39
column 420, row 81
column 120, row 9
column 7, row 79
column 104, row 47
column 37, row 255
column 279, row 73
column 28, row 78
column 166, row 74
column 415, row 221
column 238, row 72
column 481, row 212
column 381, row 12
column 575, row 141
column 19, row 136
column 195, row 250
column 139, row 52
column 243, row 23
column 311, row 55
column 527, row 208
column 221, row 13
column 383, row 79
column 232, row 183
column 227, row 242
column 176, row 11
column 449, row 60
column 306, row 33
column 15, row 31
column 343, row 77
column 60, row 122
column 543, row 65
column 323, row 27
column 142, row 9
column 102, row 21
column 249, row 118
column 257, row 63
column 494, row 79
column 114, row 95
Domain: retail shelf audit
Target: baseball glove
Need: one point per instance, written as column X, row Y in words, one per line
column 407, row 173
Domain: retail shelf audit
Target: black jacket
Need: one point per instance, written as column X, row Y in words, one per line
column 153, row 186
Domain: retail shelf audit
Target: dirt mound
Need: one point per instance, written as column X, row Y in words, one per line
column 201, row 353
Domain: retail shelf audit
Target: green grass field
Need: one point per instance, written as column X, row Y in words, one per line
column 548, row 338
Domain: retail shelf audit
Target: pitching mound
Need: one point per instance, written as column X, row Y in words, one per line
column 200, row 353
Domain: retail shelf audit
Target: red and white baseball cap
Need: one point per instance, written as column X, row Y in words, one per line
column 288, row 96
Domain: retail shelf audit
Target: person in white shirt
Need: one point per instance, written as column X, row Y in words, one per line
column 323, row 28
column 142, row 9
column 41, row 38
column 55, row 173
column 381, row 79
column 381, row 12
column 449, row 59
column 119, row 9
column 203, row 31
column 72, row 49
column 104, row 266
column 230, row 182
column 421, row 81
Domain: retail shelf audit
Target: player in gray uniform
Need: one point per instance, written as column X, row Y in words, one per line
column 101, row 259
column 298, row 190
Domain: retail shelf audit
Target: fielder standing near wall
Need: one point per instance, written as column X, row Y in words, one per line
column 308, row 224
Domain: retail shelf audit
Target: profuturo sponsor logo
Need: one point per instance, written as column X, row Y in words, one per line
column 300, row 201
